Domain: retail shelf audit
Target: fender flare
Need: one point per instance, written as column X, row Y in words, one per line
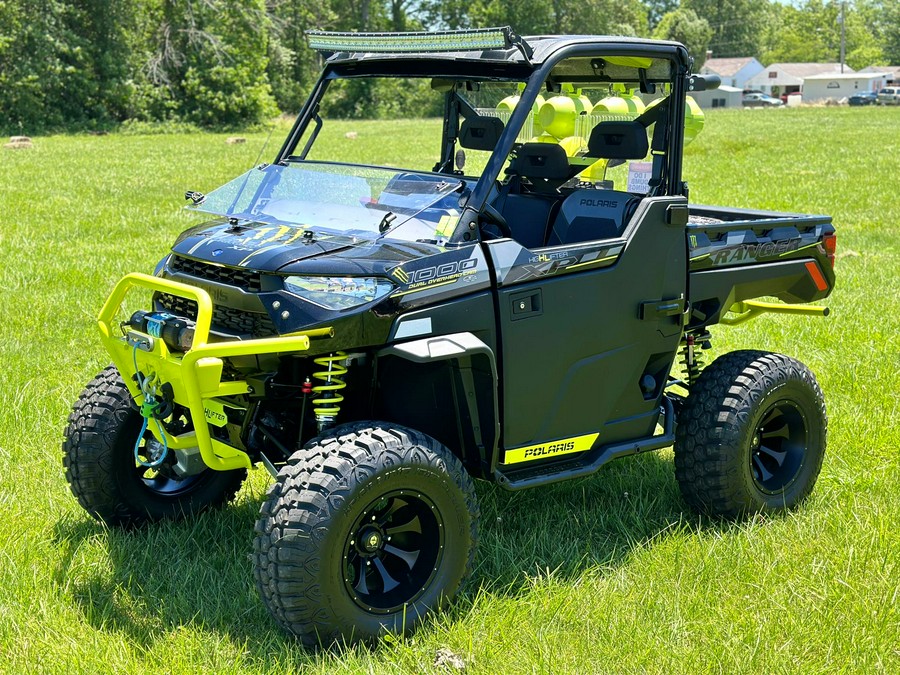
column 464, row 348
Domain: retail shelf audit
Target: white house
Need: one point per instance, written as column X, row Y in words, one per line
column 724, row 97
column 892, row 72
column 838, row 86
column 733, row 71
column 788, row 78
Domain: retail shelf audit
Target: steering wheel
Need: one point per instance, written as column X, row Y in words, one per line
column 494, row 216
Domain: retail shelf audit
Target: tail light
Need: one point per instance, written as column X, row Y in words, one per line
column 830, row 242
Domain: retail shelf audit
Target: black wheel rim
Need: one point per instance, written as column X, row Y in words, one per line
column 778, row 447
column 393, row 551
column 162, row 480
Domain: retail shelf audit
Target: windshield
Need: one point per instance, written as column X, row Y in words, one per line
column 357, row 201
column 398, row 122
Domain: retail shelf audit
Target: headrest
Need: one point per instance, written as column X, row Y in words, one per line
column 541, row 160
column 480, row 133
column 619, row 140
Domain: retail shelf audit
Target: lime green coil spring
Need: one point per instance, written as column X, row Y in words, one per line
column 327, row 404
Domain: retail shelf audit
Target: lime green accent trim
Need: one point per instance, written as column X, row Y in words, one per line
column 750, row 309
column 629, row 61
column 426, row 288
column 802, row 248
column 446, row 226
column 215, row 412
column 592, row 262
column 700, row 257
column 315, row 332
column 400, row 274
column 196, row 376
column 564, row 446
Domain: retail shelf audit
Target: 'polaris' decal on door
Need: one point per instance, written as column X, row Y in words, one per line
column 563, row 446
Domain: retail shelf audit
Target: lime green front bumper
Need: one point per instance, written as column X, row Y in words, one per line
column 195, row 376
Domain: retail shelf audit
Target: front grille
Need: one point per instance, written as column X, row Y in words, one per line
column 245, row 279
column 224, row 319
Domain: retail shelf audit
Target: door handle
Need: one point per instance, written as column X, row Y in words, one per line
column 654, row 310
column 526, row 304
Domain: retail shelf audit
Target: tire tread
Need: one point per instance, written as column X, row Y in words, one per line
column 714, row 418
column 308, row 490
column 92, row 438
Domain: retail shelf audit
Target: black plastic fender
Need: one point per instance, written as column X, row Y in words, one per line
column 468, row 354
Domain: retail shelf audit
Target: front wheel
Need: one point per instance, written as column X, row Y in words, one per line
column 106, row 478
column 365, row 531
column 751, row 435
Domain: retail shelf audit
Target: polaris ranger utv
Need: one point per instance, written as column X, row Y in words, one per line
column 513, row 304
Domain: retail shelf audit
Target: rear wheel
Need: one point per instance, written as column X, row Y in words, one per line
column 104, row 475
column 366, row 531
column 751, row 435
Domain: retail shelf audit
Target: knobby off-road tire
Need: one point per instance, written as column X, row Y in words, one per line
column 98, row 455
column 366, row 530
column 751, row 435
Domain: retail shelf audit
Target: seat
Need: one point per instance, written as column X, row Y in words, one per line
column 619, row 140
column 480, row 133
column 529, row 214
column 589, row 214
column 545, row 165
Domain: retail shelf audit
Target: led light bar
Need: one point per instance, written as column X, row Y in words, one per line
column 393, row 43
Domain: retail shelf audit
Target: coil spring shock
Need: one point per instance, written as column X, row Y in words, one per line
column 693, row 359
column 327, row 403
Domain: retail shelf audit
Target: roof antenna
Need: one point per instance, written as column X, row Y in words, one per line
column 265, row 145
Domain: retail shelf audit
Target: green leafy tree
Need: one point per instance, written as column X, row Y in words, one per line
column 530, row 17
column 209, row 62
column 683, row 25
column 892, row 35
column 292, row 66
column 46, row 81
column 657, row 9
column 737, row 25
column 812, row 32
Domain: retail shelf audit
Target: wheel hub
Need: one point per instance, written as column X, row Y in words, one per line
column 778, row 447
column 370, row 540
column 393, row 551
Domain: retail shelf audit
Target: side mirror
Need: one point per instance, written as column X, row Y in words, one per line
column 703, row 82
column 441, row 84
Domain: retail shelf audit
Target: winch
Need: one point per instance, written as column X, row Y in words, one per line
column 176, row 332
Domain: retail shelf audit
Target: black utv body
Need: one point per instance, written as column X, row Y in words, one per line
column 379, row 337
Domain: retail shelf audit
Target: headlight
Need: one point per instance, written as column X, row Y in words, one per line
column 338, row 292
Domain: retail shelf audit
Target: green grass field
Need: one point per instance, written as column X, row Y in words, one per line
column 607, row 574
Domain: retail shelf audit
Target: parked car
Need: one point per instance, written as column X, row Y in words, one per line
column 889, row 96
column 757, row 100
column 863, row 98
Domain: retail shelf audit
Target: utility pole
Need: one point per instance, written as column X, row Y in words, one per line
column 841, row 21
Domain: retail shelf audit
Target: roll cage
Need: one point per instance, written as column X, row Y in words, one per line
column 512, row 64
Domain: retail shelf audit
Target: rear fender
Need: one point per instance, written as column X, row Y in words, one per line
column 714, row 291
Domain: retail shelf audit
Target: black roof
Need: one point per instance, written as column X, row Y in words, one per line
column 543, row 47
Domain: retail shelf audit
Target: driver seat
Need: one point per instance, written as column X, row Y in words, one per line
column 529, row 214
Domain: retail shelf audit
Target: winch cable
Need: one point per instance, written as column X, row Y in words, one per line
column 149, row 408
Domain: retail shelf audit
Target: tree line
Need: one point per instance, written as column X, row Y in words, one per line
column 86, row 64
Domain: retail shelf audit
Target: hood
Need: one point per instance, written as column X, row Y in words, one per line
column 293, row 249
column 255, row 245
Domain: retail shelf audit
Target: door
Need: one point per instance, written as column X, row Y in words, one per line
column 588, row 333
